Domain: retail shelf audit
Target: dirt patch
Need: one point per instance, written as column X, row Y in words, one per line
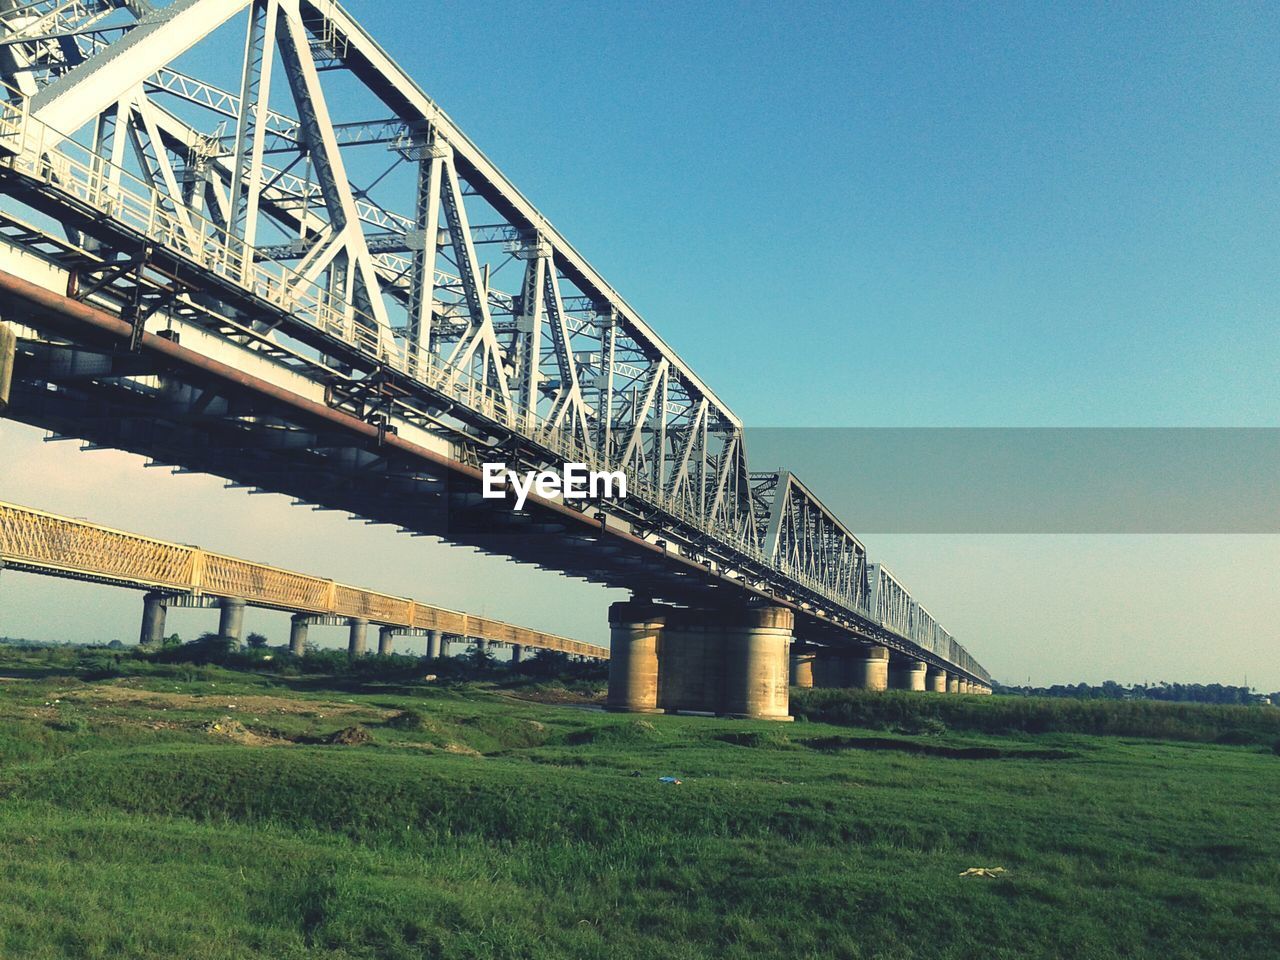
column 228, row 728
column 556, row 697
column 462, row 749
column 350, row 736
column 118, row 695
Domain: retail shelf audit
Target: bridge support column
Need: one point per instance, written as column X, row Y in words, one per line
column 908, row 674
column 385, row 636
column 937, row 680
column 435, row 644
column 802, row 668
column 966, row 686
column 482, row 646
column 231, row 620
column 830, row 670
column 356, row 636
column 298, row 625
column 635, row 636
column 756, row 644
column 953, row 683
column 517, row 654
column 690, row 663
column 155, row 606
column 870, row 670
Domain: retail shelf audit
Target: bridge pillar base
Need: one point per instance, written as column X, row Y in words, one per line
column 385, row 636
column 756, row 643
column 482, row 646
column 435, row 644
column 635, row 634
column 908, row 675
column 155, row 606
column 517, row 654
column 870, row 671
column 936, row 680
column 231, row 620
column 299, row 623
column 358, row 629
column 802, row 669
column 690, row 665
column 953, row 683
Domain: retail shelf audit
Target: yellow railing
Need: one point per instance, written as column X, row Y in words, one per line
column 61, row 546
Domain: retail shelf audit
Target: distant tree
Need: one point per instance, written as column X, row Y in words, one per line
column 115, row 645
column 256, row 640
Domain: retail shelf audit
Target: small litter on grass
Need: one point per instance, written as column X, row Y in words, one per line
column 983, row 872
column 670, row 780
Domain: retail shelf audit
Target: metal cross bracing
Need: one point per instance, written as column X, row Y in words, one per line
column 34, row 541
column 380, row 263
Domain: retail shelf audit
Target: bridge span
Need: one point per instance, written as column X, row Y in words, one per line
column 175, row 574
column 236, row 238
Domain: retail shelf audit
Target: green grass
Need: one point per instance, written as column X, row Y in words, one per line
column 475, row 825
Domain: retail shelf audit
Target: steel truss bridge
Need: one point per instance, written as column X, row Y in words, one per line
column 236, row 238
column 34, row 541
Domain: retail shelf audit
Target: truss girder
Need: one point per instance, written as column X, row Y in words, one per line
column 394, row 286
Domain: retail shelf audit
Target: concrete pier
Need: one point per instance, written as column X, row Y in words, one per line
column 937, row 680
column 755, row 645
column 298, row 625
column 517, row 654
column 231, row 620
column 482, row 646
column 155, row 606
column 690, row 664
column 356, row 637
column 908, row 674
column 635, row 634
column 435, row 644
column 385, row 636
column 802, row 668
column 953, row 683
column 869, row 670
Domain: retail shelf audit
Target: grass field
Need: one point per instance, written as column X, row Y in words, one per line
column 176, row 811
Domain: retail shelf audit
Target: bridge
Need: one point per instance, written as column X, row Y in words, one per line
column 175, row 574
column 236, row 238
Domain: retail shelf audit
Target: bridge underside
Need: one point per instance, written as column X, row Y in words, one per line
column 210, row 418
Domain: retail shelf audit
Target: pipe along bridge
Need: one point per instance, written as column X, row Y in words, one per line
column 237, row 238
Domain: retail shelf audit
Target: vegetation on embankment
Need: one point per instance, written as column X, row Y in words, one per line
column 170, row 811
column 924, row 713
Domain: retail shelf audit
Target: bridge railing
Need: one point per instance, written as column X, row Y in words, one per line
column 47, row 543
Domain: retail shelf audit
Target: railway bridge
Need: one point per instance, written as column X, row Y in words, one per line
column 237, row 238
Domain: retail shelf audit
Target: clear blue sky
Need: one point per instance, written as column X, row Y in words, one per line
column 856, row 214
column 892, row 214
